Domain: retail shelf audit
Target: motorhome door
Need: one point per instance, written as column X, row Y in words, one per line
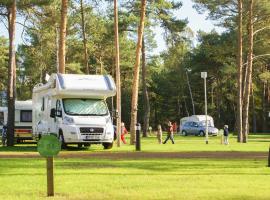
column 58, row 115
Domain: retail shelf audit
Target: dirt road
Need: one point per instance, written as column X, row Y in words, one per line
column 144, row 155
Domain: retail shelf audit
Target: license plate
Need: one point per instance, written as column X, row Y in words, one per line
column 92, row 137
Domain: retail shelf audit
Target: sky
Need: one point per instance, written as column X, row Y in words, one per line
column 196, row 22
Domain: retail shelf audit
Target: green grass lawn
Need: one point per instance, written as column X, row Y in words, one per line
column 144, row 178
column 191, row 179
column 258, row 143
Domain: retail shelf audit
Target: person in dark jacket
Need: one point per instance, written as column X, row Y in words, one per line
column 226, row 134
column 169, row 133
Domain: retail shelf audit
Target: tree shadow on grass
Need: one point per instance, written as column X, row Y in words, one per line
column 19, row 148
column 157, row 165
column 261, row 140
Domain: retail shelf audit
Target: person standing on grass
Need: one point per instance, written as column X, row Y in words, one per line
column 174, row 127
column 159, row 134
column 169, row 133
column 123, row 132
column 226, row 134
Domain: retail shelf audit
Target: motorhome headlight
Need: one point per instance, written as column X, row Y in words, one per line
column 108, row 133
column 68, row 120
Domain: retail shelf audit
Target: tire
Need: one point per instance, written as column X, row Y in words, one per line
column 201, row 133
column 184, row 133
column 114, row 136
column 87, row 145
column 107, row 145
column 62, row 140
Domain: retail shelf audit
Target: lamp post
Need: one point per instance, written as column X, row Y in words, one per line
column 204, row 76
column 190, row 92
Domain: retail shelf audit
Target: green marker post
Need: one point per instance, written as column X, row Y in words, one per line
column 48, row 147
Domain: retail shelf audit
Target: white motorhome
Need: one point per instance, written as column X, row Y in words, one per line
column 74, row 108
column 23, row 120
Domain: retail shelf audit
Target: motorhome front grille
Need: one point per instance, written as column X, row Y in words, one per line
column 91, row 130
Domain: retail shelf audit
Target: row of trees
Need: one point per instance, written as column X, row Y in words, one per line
column 235, row 15
column 104, row 39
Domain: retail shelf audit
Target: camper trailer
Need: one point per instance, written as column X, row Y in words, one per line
column 3, row 117
column 74, row 108
column 195, row 125
column 23, row 120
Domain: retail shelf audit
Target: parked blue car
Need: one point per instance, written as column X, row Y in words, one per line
column 197, row 128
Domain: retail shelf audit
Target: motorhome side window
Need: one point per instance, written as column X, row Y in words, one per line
column 26, row 116
column 1, row 118
column 58, row 108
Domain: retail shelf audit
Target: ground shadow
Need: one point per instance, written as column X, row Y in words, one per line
column 19, row 148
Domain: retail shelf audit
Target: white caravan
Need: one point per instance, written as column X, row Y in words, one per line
column 3, row 117
column 74, row 108
column 23, row 120
column 196, row 118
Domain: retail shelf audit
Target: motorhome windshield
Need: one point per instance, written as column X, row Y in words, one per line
column 85, row 107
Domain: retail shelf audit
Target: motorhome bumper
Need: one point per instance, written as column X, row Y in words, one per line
column 89, row 141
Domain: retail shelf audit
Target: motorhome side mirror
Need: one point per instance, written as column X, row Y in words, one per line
column 114, row 114
column 52, row 114
column 59, row 113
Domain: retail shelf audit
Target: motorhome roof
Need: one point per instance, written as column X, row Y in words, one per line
column 77, row 85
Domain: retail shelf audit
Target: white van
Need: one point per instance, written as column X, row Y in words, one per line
column 23, row 120
column 74, row 108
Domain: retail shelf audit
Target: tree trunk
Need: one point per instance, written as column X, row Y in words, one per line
column 146, row 104
column 135, row 87
column 240, row 71
column 264, row 107
column 249, row 74
column 86, row 65
column 190, row 92
column 185, row 103
column 254, row 118
column 57, row 46
column 62, row 39
column 117, row 74
column 11, row 93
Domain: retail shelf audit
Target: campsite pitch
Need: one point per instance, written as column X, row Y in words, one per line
column 159, row 172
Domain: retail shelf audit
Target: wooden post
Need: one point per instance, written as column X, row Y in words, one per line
column 269, row 158
column 138, row 139
column 221, row 138
column 50, row 182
